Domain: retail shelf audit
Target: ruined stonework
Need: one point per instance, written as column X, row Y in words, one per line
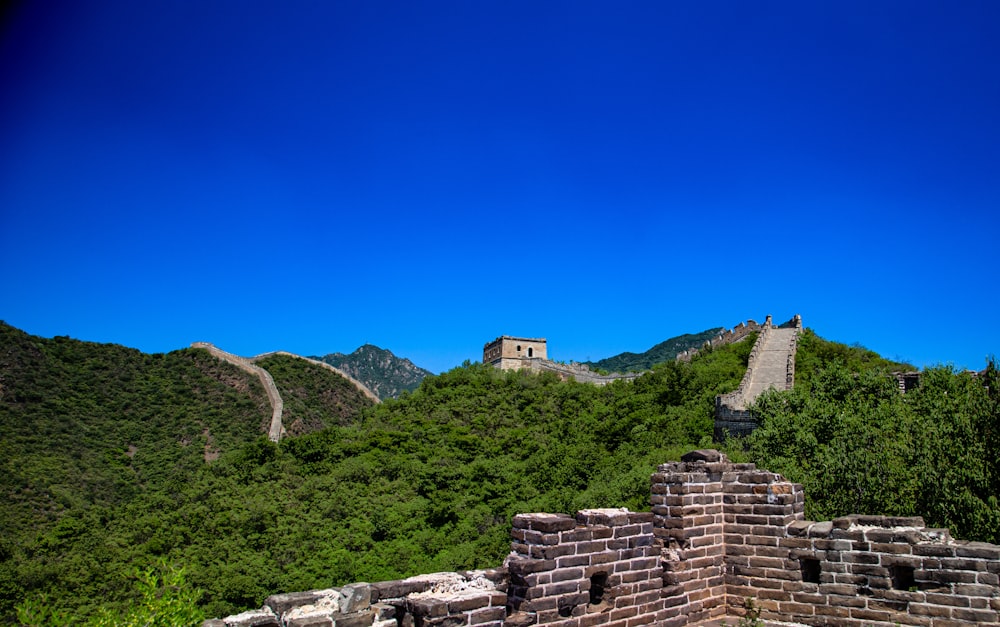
column 718, row 533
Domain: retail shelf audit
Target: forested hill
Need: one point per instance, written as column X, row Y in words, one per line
column 113, row 460
column 663, row 352
column 91, row 426
column 384, row 373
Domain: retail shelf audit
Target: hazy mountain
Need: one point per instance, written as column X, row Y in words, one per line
column 385, row 374
column 664, row 351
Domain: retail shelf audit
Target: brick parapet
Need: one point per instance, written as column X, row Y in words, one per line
column 598, row 567
column 718, row 533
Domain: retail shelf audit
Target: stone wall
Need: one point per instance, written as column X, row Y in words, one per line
column 506, row 352
column 732, row 416
column 728, row 336
column 718, row 533
column 276, row 430
column 575, row 371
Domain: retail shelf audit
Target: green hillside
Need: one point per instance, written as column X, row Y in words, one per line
column 421, row 484
column 382, row 372
column 663, row 352
column 314, row 397
column 428, row 482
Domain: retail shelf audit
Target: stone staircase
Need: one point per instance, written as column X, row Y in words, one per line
column 771, row 365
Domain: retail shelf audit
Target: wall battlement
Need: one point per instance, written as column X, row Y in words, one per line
column 531, row 353
column 718, row 533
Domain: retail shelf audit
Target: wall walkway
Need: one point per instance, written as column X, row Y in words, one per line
column 277, row 405
column 771, row 366
column 248, row 364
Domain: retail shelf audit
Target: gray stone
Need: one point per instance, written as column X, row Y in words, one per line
column 253, row 618
column 281, row 603
column 702, row 455
column 355, row 597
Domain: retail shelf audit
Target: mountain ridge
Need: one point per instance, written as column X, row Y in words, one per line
column 383, row 372
column 666, row 350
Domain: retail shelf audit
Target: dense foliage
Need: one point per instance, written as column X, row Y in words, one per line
column 115, row 460
column 661, row 353
column 313, row 399
column 385, row 374
column 425, row 483
column 859, row 446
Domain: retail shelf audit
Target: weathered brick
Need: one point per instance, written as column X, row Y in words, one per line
column 980, row 550
column 486, row 615
column 863, row 613
column 567, row 574
column 936, row 550
column 980, row 617
column 573, row 560
column 468, row 603
column 546, row 523
column 929, row 609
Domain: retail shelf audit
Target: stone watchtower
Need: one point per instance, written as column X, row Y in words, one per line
column 510, row 353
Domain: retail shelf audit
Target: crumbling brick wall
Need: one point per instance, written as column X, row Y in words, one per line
column 718, row 533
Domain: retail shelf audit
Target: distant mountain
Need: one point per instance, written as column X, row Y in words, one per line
column 662, row 352
column 385, row 374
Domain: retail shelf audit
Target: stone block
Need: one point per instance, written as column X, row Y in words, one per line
column 400, row 588
column 520, row 619
column 487, row 615
column 355, row 597
column 934, row 550
column 704, row 455
column 980, row 550
column 310, row 620
column 573, row 560
column 546, row 523
column 427, row 606
column 281, row 603
column 466, row 603
column 523, row 567
column 949, row 600
column 253, row 618
column 610, row 517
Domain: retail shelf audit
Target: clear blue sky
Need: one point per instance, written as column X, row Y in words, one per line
column 425, row 176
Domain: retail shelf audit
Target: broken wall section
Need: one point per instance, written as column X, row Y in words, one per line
column 598, row 568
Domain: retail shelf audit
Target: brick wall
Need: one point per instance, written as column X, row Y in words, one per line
column 718, row 533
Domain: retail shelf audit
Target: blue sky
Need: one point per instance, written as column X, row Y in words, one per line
column 425, row 176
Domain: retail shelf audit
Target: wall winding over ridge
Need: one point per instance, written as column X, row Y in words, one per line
column 248, row 364
column 717, row 534
column 277, row 405
column 578, row 372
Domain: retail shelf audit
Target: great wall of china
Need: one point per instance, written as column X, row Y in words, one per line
column 248, row 364
column 717, row 534
column 771, row 366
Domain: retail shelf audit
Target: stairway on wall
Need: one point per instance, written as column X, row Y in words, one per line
column 771, row 367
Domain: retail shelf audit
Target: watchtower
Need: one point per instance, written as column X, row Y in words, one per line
column 509, row 353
